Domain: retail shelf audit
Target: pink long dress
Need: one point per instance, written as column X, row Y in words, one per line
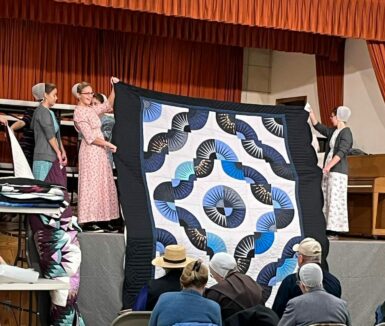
column 98, row 200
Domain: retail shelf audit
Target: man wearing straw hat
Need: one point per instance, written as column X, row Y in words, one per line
column 173, row 261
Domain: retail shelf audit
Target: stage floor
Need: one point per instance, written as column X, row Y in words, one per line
column 358, row 263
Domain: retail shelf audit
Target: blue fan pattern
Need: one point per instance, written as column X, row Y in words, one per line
column 223, row 205
column 275, row 272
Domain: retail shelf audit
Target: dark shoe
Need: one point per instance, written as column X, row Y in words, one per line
column 110, row 229
column 92, row 228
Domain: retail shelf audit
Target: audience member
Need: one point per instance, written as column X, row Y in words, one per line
column 188, row 305
column 257, row 315
column 234, row 291
column 173, row 261
column 308, row 251
column 315, row 305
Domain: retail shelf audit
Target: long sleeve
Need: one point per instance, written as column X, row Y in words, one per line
column 155, row 313
column 323, row 130
column 288, row 318
column 283, row 296
column 345, row 143
column 103, row 108
column 219, row 319
column 45, row 121
column 83, row 126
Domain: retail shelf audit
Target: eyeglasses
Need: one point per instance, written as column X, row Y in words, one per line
column 332, row 116
column 88, row 93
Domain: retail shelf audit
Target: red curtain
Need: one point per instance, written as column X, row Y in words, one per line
column 347, row 18
column 377, row 56
column 330, row 84
column 95, row 17
column 33, row 52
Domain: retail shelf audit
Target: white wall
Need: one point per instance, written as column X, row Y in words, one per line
column 363, row 96
column 294, row 74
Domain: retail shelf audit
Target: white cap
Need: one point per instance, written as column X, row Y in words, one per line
column 75, row 90
column 38, row 91
column 343, row 113
column 222, row 263
column 311, row 275
column 104, row 98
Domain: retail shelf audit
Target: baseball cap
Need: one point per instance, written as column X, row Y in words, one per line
column 308, row 247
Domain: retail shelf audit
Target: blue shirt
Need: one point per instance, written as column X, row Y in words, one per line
column 183, row 307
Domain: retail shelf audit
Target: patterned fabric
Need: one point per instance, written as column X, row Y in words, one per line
column 215, row 177
column 59, row 255
column 334, row 187
column 98, row 200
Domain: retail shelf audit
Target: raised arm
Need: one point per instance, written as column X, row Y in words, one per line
column 313, row 118
column 109, row 105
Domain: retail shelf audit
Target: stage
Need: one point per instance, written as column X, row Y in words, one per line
column 358, row 263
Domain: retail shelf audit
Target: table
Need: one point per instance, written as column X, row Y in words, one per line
column 42, row 284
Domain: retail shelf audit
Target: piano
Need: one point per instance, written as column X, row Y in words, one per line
column 366, row 195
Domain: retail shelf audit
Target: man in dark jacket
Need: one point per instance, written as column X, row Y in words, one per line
column 309, row 251
column 234, row 291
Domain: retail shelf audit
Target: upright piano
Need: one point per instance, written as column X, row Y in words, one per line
column 366, row 195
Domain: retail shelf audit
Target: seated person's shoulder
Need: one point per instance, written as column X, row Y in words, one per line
column 211, row 304
column 168, row 296
column 289, row 281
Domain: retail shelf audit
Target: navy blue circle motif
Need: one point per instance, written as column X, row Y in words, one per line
column 224, row 206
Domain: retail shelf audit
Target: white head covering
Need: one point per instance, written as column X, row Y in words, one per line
column 104, row 98
column 75, row 90
column 222, row 263
column 38, row 91
column 311, row 275
column 343, row 113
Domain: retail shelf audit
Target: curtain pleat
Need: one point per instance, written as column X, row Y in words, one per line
column 48, row 11
column 377, row 56
column 31, row 52
column 345, row 18
column 330, row 84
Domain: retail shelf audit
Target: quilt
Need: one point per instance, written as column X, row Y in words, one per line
column 215, row 177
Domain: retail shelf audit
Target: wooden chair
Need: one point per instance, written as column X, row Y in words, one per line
column 134, row 318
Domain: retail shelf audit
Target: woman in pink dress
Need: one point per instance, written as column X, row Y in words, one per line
column 98, row 200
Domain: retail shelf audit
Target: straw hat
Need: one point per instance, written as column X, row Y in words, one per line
column 174, row 257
